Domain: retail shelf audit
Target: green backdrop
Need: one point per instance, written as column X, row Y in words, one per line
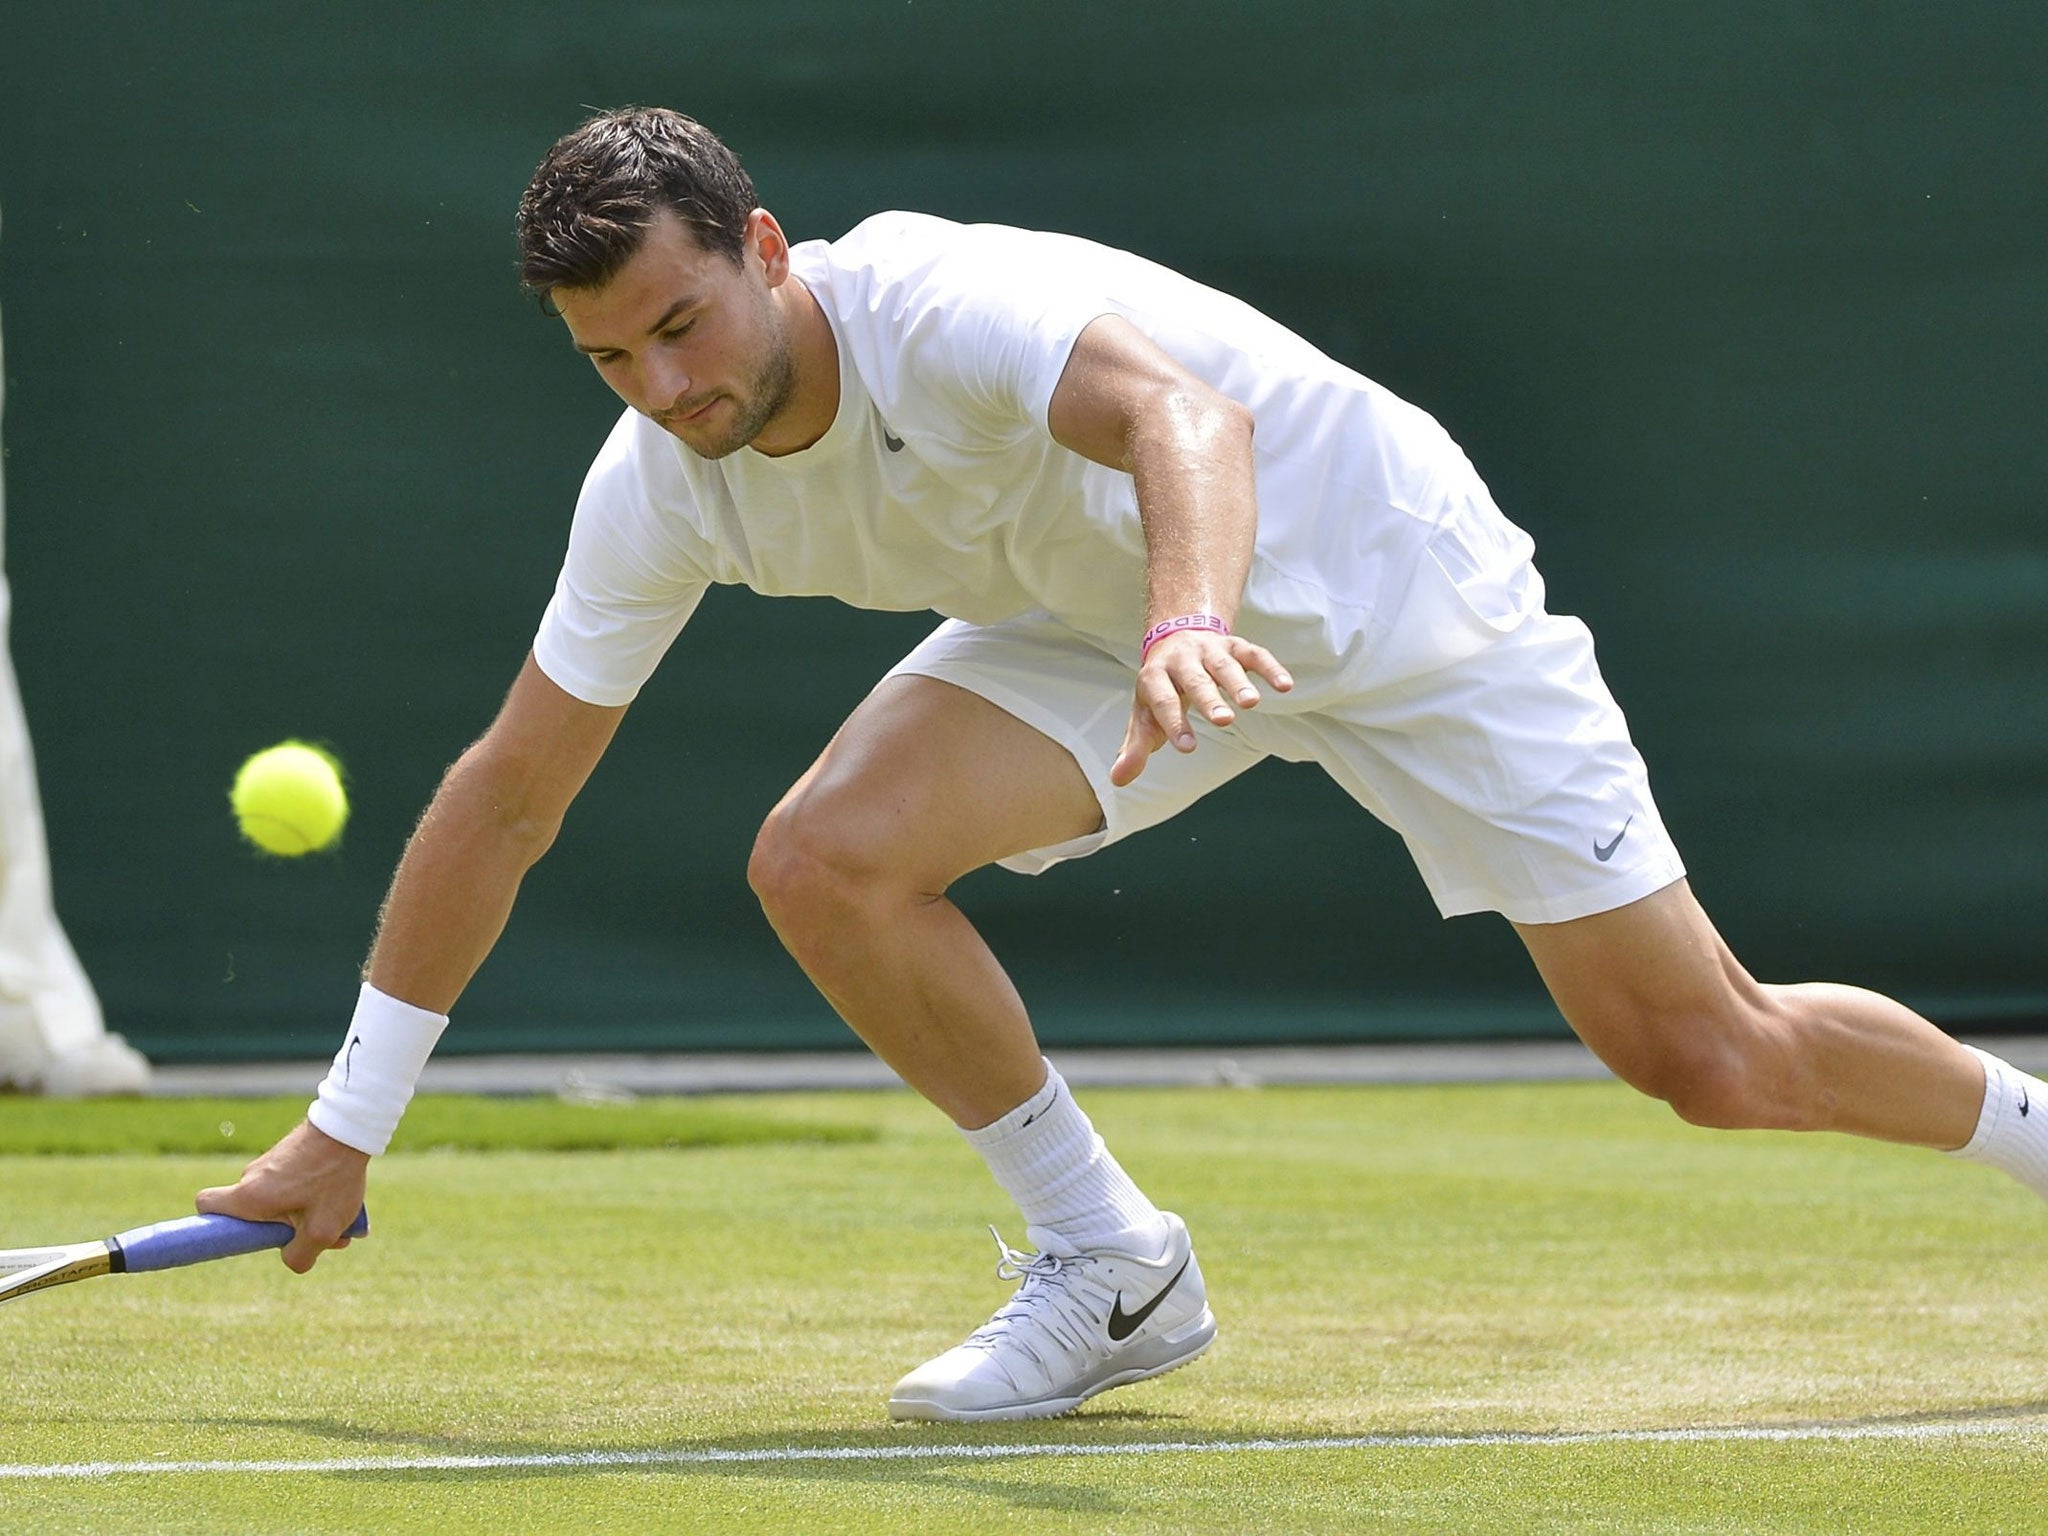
column 1742, row 310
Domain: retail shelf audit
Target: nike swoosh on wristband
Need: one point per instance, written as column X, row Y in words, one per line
column 348, row 1061
column 1123, row 1324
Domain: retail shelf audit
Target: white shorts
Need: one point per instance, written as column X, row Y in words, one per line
column 1509, row 774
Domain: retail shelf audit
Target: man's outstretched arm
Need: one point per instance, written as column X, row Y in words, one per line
column 496, row 812
column 1127, row 405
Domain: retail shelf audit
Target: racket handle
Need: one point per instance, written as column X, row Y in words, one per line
column 195, row 1239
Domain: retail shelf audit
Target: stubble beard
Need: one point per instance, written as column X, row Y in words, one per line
column 770, row 389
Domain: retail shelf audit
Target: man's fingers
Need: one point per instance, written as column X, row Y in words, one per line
column 316, row 1234
column 1232, row 683
column 1159, row 692
column 1262, row 661
column 1141, row 739
column 1197, row 692
column 1202, row 676
column 303, row 1252
column 234, row 1200
column 308, row 1180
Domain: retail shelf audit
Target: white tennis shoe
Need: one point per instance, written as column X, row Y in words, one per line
column 1079, row 1324
column 103, row 1066
column 106, row 1066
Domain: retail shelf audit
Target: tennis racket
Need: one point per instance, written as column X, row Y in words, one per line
column 167, row 1245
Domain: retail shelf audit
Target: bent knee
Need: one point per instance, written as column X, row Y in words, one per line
column 1725, row 1071
column 1720, row 1087
column 811, row 864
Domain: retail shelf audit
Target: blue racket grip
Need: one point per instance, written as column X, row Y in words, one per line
column 195, row 1239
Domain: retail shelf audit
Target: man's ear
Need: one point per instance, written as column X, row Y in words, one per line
column 767, row 245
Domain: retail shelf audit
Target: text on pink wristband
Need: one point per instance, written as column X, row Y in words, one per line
column 1187, row 621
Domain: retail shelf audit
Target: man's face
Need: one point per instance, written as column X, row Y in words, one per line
column 688, row 339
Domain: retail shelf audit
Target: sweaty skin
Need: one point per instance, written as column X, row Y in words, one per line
column 1125, row 404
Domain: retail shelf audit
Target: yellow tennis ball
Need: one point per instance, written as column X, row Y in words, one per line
column 289, row 800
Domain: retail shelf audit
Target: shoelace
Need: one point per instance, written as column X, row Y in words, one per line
column 1015, row 1264
column 1048, row 1296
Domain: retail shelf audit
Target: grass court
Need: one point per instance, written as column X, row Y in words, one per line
column 1531, row 1308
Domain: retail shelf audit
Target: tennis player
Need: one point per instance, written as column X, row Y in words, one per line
column 1168, row 539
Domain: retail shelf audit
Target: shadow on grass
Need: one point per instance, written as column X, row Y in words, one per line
column 910, row 1456
column 940, row 1456
column 1137, row 1426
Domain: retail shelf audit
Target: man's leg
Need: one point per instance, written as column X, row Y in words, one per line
column 925, row 782
column 1655, row 992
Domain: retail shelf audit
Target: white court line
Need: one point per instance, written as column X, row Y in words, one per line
column 713, row 1456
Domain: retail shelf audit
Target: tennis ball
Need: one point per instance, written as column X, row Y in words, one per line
column 289, row 800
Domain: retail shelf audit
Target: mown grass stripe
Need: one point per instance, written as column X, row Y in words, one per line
column 435, row 1123
column 1926, row 1429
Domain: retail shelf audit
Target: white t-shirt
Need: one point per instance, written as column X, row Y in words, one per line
column 939, row 486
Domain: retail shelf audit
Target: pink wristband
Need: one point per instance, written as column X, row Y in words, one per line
column 1187, row 621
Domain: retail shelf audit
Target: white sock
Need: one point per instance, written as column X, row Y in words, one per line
column 1048, row 1159
column 2012, row 1128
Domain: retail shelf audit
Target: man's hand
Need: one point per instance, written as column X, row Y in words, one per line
column 1123, row 403
column 308, row 1179
column 1196, row 672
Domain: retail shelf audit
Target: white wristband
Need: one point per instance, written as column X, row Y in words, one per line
column 371, row 1081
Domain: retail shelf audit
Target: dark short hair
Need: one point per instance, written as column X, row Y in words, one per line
column 596, row 192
